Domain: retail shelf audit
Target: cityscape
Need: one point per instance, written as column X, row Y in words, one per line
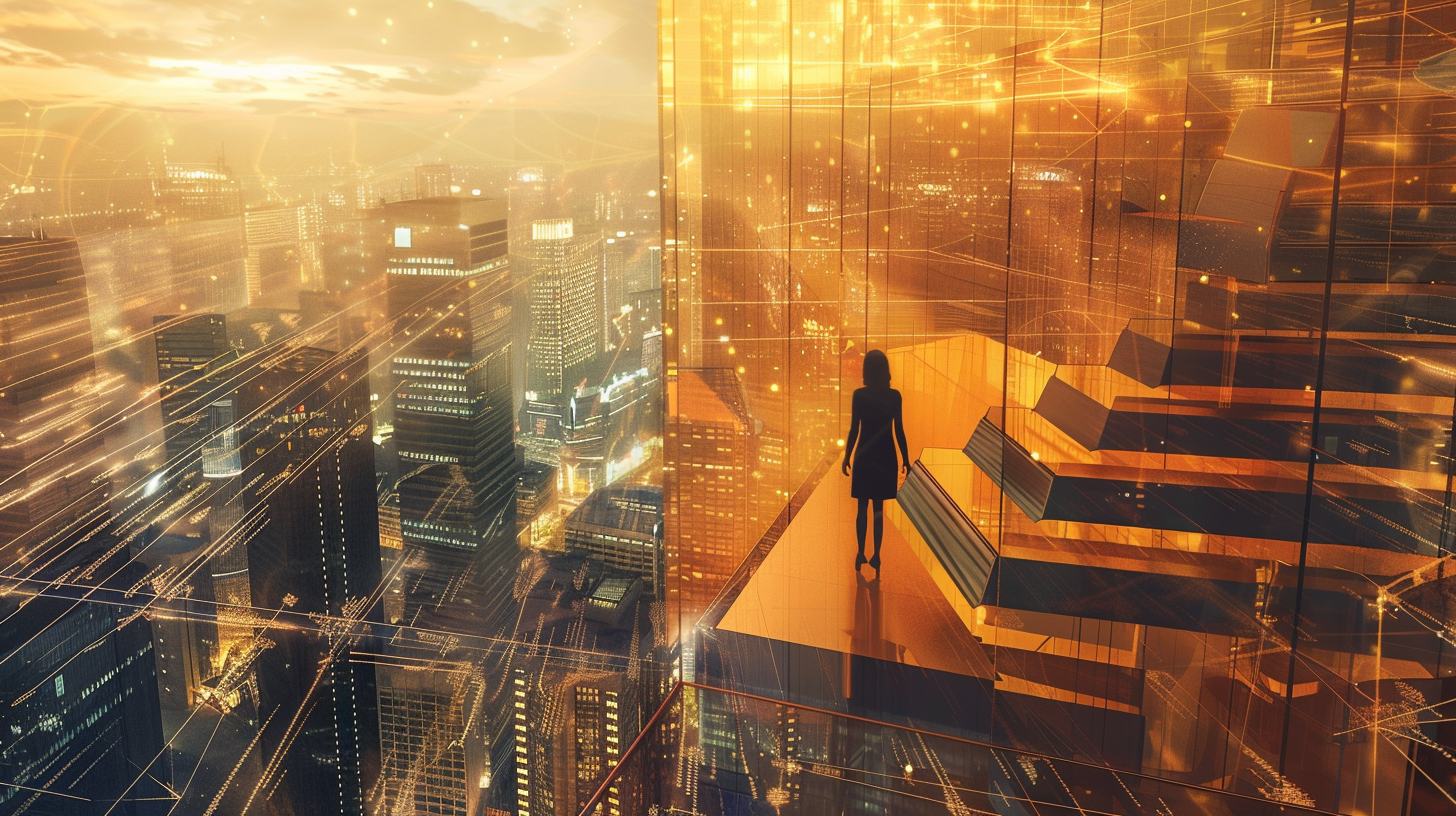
column 727, row 408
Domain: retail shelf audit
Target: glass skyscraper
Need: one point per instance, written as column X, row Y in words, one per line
column 448, row 282
column 1165, row 291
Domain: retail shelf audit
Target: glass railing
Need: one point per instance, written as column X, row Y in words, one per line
column 715, row 752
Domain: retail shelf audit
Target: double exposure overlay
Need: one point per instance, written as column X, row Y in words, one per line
column 1165, row 289
column 727, row 408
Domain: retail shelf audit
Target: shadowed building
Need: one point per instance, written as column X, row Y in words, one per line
column 316, row 558
column 448, row 280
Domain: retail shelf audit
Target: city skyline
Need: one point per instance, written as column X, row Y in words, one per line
column 474, row 409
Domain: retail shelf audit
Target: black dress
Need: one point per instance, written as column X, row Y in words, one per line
column 875, row 430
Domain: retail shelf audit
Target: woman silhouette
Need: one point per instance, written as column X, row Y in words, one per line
column 874, row 410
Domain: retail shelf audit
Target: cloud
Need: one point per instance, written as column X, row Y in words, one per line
column 362, row 51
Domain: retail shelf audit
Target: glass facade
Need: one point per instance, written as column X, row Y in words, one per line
column 1165, row 289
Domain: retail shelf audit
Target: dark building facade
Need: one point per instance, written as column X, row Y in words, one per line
column 621, row 527
column 316, row 559
column 80, row 728
column 189, row 349
column 449, row 291
column 50, row 477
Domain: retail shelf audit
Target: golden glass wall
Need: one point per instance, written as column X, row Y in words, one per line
column 1205, row 436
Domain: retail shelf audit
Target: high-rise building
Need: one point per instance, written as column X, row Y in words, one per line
column 50, row 466
column 275, row 264
column 436, row 721
column 190, row 350
column 616, row 254
column 432, row 181
column 198, row 192
column 137, row 273
column 709, row 447
column 83, row 724
column 566, row 305
column 621, row 527
column 316, row 555
column 535, row 491
column 453, row 425
column 573, row 711
column 1170, row 353
column 185, row 639
column 83, row 730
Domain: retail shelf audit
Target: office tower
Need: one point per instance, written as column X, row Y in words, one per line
column 616, row 252
column 708, row 448
column 84, row 728
column 80, row 678
column 315, row 557
column 190, row 349
column 566, row 310
column 621, row 527
column 140, row 272
column 310, row 244
column 198, row 192
column 535, row 491
column 50, row 466
column 608, row 431
column 198, row 378
column 643, row 317
column 574, row 711
column 432, row 181
column 449, row 291
column 186, row 639
column 435, row 721
column 275, row 237
column 1174, row 377
column 532, row 196
column 541, row 428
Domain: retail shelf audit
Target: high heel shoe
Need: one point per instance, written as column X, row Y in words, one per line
column 860, row 561
column 875, row 562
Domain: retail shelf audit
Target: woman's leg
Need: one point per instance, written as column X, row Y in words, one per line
column 860, row 523
column 879, row 526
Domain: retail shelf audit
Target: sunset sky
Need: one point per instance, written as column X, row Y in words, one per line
column 285, row 84
column 330, row 56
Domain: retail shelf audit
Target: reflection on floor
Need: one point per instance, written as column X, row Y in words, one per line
column 807, row 592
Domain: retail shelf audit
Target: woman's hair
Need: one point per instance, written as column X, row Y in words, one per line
column 876, row 369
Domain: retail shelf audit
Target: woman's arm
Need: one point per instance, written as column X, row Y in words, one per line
column 853, row 432
column 900, row 435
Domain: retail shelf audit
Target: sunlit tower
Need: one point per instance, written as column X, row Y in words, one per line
column 566, row 304
column 50, row 468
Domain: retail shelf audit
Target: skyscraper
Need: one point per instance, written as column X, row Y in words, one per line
column 454, row 430
column 83, row 729
column 198, row 192
column 50, row 466
column 566, row 305
column 709, row 449
column 1163, row 335
column 189, row 350
column 276, row 253
column 621, row 527
column 432, row 180
column 83, row 725
column 316, row 556
column 574, row 710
